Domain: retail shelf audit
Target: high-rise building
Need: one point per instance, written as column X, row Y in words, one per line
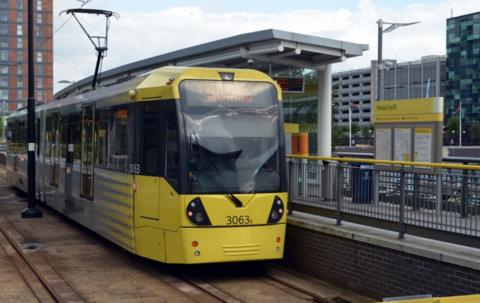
column 463, row 67
column 13, row 53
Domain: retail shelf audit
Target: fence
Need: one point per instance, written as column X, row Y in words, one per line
column 439, row 201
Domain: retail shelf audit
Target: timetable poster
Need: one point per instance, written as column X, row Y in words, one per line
column 403, row 144
column 423, row 144
column 383, row 144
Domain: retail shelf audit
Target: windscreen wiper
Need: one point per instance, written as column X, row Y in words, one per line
column 229, row 194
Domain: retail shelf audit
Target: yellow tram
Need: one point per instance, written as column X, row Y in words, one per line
column 179, row 165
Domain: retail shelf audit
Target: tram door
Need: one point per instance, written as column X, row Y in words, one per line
column 53, row 140
column 86, row 164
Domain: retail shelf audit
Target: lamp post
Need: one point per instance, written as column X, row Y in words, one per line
column 393, row 26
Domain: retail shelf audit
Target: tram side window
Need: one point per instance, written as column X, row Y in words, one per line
column 151, row 144
column 77, row 136
column 171, row 139
column 101, row 135
column 119, row 144
column 63, row 136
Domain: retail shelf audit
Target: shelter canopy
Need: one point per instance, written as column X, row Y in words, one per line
column 267, row 50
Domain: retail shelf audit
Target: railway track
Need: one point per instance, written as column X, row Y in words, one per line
column 35, row 279
column 283, row 285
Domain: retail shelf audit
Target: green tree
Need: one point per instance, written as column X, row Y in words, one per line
column 475, row 133
column 338, row 135
column 367, row 131
column 451, row 127
column 355, row 128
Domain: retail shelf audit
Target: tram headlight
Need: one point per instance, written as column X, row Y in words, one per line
column 276, row 213
column 196, row 213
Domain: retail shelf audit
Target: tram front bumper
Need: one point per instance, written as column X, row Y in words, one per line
column 191, row 245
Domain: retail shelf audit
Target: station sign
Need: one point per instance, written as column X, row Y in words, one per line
column 408, row 110
column 291, row 84
column 409, row 129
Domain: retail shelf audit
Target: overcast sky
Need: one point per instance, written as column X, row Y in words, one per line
column 150, row 27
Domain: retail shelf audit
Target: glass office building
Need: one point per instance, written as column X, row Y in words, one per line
column 463, row 68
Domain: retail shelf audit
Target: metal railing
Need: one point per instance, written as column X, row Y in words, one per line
column 440, row 201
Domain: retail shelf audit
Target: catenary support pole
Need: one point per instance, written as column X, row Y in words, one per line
column 31, row 211
column 324, row 112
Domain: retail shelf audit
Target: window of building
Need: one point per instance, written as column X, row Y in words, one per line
column 3, row 93
column 39, row 5
column 4, row 29
column 19, row 30
column 4, row 81
column 19, row 69
column 20, row 94
column 39, row 57
column 19, row 43
column 39, row 70
column 3, row 16
column 19, row 17
column 19, row 55
column 4, row 55
column 3, row 70
column 3, row 43
column 39, row 18
column 20, row 82
column 39, row 31
column 39, row 83
column 19, row 4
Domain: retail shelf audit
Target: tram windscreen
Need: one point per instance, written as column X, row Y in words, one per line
column 232, row 131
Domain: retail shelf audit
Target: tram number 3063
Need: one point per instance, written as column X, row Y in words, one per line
column 238, row 220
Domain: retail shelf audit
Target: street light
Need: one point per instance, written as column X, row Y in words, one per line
column 393, row 26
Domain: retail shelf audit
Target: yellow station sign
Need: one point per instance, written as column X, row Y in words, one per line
column 408, row 110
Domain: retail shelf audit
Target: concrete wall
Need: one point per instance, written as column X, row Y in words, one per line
column 368, row 266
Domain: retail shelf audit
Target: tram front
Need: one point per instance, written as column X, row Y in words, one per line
column 234, row 173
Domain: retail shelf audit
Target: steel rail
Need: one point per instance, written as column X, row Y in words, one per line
column 211, row 290
column 389, row 162
column 315, row 298
column 55, row 296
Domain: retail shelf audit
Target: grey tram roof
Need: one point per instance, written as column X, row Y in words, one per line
column 266, row 50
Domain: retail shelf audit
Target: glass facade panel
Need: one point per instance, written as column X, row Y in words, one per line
column 463, row 68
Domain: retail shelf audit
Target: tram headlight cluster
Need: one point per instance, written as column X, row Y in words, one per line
column 196, row 213
column 277, row 211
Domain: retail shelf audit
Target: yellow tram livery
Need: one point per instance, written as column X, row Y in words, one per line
column 179, row 165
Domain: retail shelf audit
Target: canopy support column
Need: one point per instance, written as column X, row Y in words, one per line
column 324, row 112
